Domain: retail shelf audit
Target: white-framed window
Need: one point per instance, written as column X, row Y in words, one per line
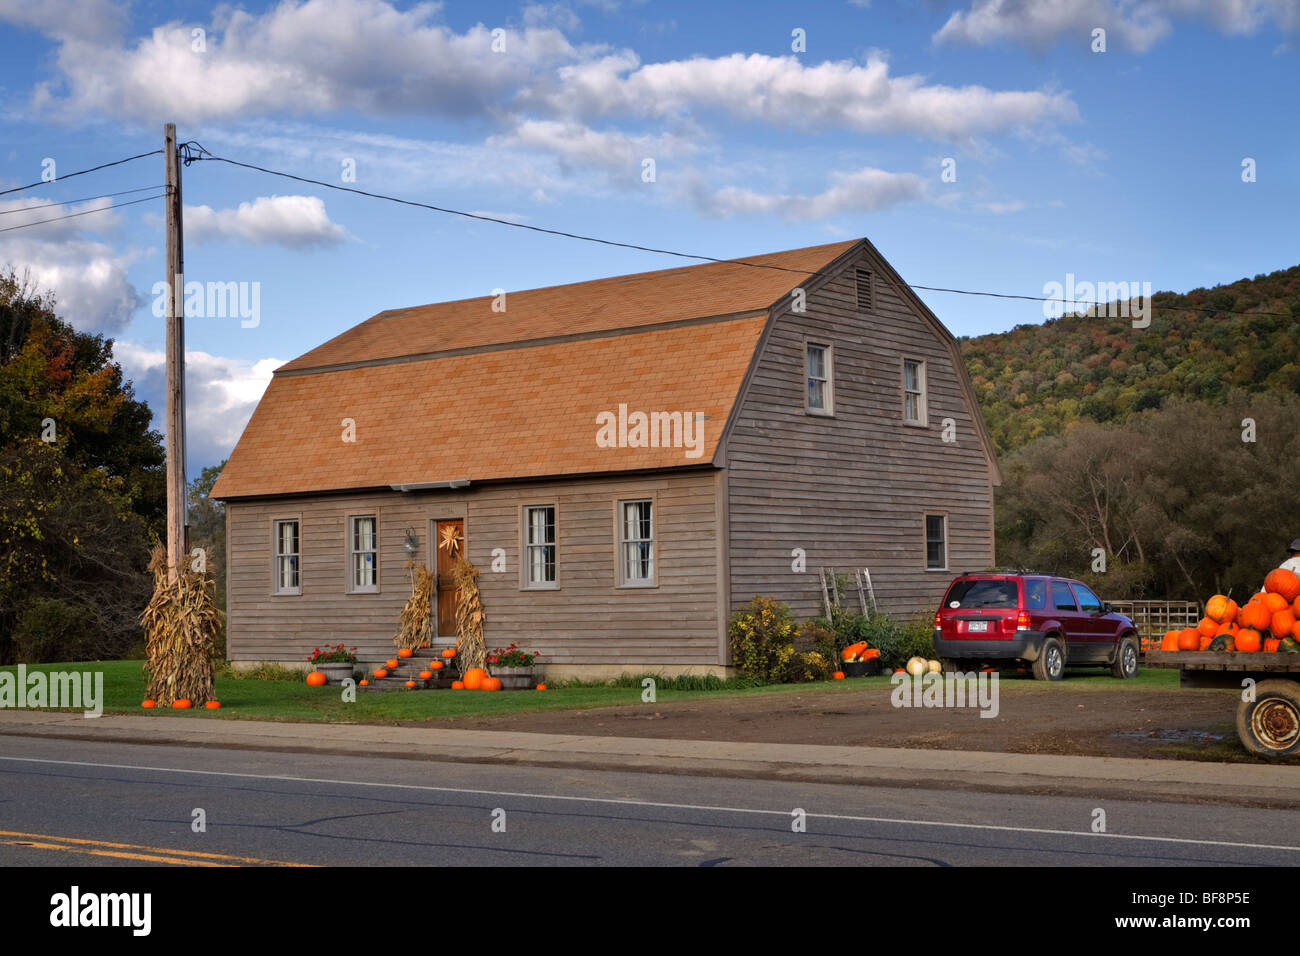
column 539, row 546
column 285, row 571
column 936, row 542
column 636, row 543
column 818, row 361
column 363, row 553
column 914, row 411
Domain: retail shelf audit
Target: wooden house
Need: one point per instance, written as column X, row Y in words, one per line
column 628, row 460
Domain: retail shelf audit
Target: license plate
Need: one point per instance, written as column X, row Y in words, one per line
column 978, row 626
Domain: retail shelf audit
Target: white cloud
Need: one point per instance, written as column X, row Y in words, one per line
column 620, row 154
column 864, row 190
column 1138, row 24
column 86, row 19
column 286, row 220
column 220, row 395
column 302, row 56
column 782, row 91
column 88, row 277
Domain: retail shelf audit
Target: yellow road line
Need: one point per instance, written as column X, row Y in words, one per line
column 163, row 853
column 144, row 857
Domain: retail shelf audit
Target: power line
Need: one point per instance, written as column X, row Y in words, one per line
column 69, row 202
column 80, row 172
column 193, row 152
column 87, row 212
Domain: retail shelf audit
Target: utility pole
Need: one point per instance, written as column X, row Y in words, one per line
column 177, row 510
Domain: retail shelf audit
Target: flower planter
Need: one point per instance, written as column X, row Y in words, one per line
column 514, row 678
column 336, row 673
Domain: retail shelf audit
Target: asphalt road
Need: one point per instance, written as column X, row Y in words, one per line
column 80, row 804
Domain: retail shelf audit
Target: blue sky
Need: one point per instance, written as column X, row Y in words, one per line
column 1123, row 165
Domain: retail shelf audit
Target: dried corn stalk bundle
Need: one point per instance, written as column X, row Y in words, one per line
column 416, row 625
column 180, row 624
column 469, row 616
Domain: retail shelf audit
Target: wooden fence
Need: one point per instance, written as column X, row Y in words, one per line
column 1153, row 618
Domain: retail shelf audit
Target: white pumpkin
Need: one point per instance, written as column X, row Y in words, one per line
column 933, row 667
column 916, row 666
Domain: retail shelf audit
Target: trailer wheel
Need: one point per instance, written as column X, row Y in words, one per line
column 1269, row 726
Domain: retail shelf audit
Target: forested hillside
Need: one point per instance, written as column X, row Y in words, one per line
column 1035, row 379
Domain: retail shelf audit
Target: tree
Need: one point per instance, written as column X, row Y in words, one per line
column 81, row 487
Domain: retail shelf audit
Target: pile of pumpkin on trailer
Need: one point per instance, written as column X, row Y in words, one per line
column 1268, row 622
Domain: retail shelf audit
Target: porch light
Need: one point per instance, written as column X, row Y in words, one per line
column 411, row 544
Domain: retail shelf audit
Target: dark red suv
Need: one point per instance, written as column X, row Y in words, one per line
column 1048, row 622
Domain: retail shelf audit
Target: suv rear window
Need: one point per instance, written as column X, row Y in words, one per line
column 982, row 592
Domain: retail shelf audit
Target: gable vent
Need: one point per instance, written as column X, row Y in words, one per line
column 864, row 290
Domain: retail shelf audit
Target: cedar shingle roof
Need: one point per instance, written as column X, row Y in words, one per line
column 510, row 401
column 621, row 302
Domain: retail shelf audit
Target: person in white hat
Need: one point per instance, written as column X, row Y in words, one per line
column 1292, row 563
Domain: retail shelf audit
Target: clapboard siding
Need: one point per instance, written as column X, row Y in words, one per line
column 586, row 621
column 852, row 490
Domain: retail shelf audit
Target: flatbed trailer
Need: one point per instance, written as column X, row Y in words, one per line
column 1268, row 714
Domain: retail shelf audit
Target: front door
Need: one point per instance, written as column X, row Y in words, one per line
column 445, row 584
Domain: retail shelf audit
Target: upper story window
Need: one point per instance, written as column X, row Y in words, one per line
column 817, row 369
column 363, row 553
column 539, row 546
column 936, row 542
column 914, row 410
column 287, row 554
column 636, row 543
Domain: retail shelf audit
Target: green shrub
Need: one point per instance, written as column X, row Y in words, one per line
column 801, row 668
column 900, row 641
column 762, row 638
column 48, row 630
column 266, row 670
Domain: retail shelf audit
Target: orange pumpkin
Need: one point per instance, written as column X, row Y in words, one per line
column 1208, row 627
column 410, row 683
column 393, row 663
column 1283, row 623
column 1295, row 631
column 364, row 682
column 405, row 652
column 871, row 653
column 148, row 703
column 838, row 675
column 541, row 687
column 425, row 675
column 316, row 679
column 182, row 704
column 473, row 678
column 1274, row 601
column 1247, row 640
column 435, row 665
column 381, row 673
column 1255, row 615
column 1170, row 641
column 213, row 705
column 490, row 683
column 458, row 685
column 449, row 653
column 1204, row 643
column 1189, row 639
column 1271, row 645
column 1217, row 608
column 1283, row 582
column 1295, row 607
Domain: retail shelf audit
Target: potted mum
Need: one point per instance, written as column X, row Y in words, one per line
column 513, row 666
column 336, row 663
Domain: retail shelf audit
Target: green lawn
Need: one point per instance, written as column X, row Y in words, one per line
column 295, row 701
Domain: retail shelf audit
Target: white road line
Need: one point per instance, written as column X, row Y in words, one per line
column 648, row 803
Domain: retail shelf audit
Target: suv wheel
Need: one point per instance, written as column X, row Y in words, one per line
column 1126, row 660
column 1050, row 664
